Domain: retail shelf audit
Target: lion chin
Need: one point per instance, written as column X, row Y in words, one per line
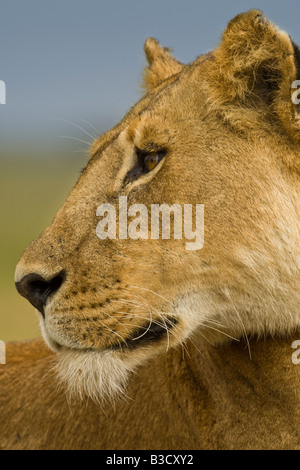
column 99, row 375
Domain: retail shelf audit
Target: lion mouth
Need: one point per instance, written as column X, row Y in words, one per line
column 152, row 332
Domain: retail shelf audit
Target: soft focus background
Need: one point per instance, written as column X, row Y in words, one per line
column 72, row 68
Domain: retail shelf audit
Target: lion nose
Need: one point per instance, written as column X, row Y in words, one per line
column 37, row 290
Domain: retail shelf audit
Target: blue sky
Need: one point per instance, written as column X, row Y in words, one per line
column 79, row 60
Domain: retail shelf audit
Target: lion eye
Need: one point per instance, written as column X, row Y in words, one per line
column 150, row 161
column 147, row 161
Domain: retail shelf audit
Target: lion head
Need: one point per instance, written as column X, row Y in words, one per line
column 222, row 132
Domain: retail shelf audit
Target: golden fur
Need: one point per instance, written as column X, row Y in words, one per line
column 230, row 134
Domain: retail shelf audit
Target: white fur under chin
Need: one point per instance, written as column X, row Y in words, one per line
column 100, row 376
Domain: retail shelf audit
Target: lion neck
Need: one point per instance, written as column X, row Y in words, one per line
column 236, row 374
column 242, row 401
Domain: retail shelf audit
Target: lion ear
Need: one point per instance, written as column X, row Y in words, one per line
column 161, row 64
column 257, row 64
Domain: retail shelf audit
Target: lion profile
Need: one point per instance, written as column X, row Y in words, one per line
column 222, row 132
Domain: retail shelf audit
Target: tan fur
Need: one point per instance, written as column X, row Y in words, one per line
column 162, row 64
column 231, row 136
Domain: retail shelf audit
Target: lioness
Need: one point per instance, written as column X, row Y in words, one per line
column 207, row 332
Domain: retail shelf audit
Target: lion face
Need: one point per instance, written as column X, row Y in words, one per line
column 222, row 132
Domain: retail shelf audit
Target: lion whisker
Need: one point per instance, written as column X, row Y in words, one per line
column 152, row 292
column 227, row 293
column 105, row 326
column 222, row 332
column 92, row 126
column 75, row 125
column 75, row 138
